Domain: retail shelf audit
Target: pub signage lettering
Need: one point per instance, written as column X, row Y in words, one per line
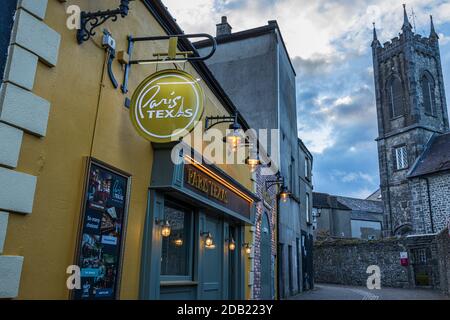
column 224, row 193
column 207, row 185
column 166, row 106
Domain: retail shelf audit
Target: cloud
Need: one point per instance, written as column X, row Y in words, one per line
column 329, row 44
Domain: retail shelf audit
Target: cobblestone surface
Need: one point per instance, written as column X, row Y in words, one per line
column 337, row 292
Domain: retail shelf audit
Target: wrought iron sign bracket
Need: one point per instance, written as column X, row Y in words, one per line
column 213, row 121
column 279, row 182
column 172, row 56
column 91, row 20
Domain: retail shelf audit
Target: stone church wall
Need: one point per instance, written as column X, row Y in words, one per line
column 436, row 197
column 345, row 262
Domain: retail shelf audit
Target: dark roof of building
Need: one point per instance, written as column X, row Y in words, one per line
column 362, row 204
column 435, row 158
column 376, row 195
column 171, row 27
column 326, row 201
column 247, row 34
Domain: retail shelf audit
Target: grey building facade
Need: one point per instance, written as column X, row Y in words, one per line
column 411, row 108
column 344, row 217
column 254, row 68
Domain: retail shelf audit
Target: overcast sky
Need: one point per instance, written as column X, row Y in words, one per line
column 329, row 44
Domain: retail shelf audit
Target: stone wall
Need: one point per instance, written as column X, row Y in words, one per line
column 346, row 261
column 433, row 192
column 443, row 241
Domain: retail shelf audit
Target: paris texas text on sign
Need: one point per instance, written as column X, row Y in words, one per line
column 166, row 106
column 207, row 186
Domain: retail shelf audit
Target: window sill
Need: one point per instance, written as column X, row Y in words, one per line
column 397, row 117
column 177, row 283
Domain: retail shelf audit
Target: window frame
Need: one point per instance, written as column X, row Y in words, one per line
column 396, row 153
column 307, row 169
column 190, row 243
column 391, row 97
column 431, row 94
column 308, row 208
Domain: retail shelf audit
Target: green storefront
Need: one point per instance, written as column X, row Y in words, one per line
column 206, row 211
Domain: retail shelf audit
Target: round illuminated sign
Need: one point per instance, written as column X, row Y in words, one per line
column 166, row 106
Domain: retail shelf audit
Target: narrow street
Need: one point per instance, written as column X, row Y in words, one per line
column 339, row 292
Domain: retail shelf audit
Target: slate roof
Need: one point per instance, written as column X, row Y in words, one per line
column 435, row 158
column 326, row 201
column 375, row 196
column 372, row 206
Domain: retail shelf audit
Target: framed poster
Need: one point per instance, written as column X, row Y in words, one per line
column 102, row 232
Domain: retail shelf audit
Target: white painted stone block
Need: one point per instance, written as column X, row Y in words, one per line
column 16, row 191
column 21, row 68
column 10, row 143
column 36, row 7
column 34, row 35
column 3, row 228
column 10, row 271
column 24, row 109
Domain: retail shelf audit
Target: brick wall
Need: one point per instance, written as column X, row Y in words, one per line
column 268, row 206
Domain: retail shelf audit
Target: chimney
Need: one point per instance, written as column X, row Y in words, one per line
column 223, row 28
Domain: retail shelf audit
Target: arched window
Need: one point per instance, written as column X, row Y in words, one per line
column 428, row 95
column 395, row 97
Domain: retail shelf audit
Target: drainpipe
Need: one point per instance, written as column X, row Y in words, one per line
column 277, row 243
column 429, row 205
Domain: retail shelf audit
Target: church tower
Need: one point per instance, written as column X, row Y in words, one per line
column 411, row 108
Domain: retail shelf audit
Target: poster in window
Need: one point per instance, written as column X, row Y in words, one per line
column 102, row 233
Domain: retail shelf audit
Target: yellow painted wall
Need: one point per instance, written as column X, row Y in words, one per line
column 87, row 118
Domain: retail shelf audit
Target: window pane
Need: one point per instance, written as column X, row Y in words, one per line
column 395, row 94
column 175, row 248
column 308, row 217
column 401, row 155
column 426, row 94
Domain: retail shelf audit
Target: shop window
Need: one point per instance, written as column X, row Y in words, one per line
column 176, row 251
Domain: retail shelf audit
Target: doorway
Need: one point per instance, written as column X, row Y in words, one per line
column 212, row 258
column 266, row 259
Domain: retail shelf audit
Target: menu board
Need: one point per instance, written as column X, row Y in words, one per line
column 100, row 246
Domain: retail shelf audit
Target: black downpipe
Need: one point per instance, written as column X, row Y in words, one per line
column 429, row 205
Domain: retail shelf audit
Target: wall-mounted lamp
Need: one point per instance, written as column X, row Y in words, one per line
column 178, row 242
column 253, row 160
column 209, row 241
column 234, row 136
column 232, row 244
column 284, row 193
column 247, row 248
column 91, row 20
column 165, row 227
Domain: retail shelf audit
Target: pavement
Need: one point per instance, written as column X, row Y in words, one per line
column 340, row 292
